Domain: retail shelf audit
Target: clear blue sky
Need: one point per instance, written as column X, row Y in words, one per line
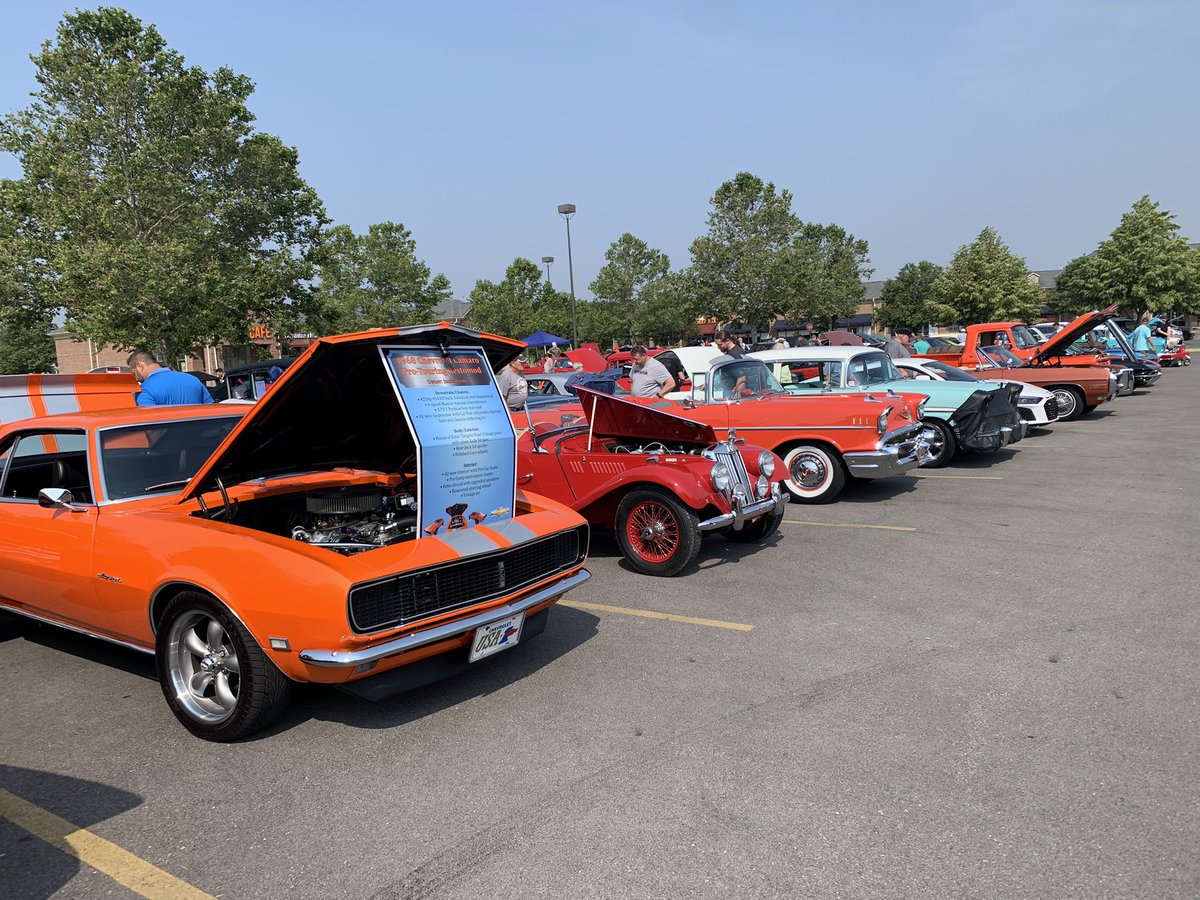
column 913, row 125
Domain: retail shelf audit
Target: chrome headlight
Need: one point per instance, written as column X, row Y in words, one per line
column 881, row 422
column 763, row 486
column 721, row 478
column 766, row 463
column 921, row 408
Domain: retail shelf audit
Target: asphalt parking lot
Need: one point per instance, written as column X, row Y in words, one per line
column 978, row 682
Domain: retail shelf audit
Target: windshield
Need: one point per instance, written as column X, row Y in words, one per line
column 157, row 458
column 1024, row 338
column 949, row 372
column 871, row 368
column 743, row 378
column 1001, row 357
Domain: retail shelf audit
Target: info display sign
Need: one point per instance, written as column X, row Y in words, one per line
column 466, row 446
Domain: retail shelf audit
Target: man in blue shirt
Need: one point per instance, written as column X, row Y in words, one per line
column 1140, row 338
column 163, row 387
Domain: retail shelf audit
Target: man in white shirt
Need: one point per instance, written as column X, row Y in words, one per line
column 650, row 377
column 513, row 386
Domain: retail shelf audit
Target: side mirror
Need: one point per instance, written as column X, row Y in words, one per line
column 921, row 376
column 56, row 498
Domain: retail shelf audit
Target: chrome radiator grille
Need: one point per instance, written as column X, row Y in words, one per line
column 401, row 599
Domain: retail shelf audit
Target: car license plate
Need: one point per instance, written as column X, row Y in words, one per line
column 496, row 636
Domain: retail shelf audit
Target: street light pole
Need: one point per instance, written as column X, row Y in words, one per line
column 566, row 210
column 547, row 260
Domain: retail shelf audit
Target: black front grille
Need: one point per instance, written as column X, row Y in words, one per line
column 1025, row 413
column 407, row 598
column 1052, row 408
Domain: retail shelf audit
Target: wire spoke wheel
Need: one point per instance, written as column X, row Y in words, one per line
column 653, row 531
column 658, row 533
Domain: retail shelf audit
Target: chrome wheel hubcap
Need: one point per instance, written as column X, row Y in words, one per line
column 809, row 470
column 203, row 667
column 1066, row 403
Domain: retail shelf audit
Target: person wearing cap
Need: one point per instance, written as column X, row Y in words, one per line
column 514, row 389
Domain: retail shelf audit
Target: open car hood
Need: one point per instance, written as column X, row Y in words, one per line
column 335, row 407
column 1058, row 344
column 617, row 417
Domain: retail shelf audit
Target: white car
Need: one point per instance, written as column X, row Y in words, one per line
column 1045, row 331
column 1035, row 405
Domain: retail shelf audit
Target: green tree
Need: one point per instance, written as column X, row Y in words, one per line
column 175, row 223
column 633, row 275
column 667, row 311
column 1144, row 265
column 828, row 267
column 987, row 282
column 373, row 280
column 759, row 260
column 908, row 298
column 508, row 307
column 741, row 269
column 25, row 318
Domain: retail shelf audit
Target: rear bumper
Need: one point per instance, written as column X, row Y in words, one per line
column 743, row 513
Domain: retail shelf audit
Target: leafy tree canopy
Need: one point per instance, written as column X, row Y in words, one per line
column 174, row 222
column 1145, row 264
column 373, row 280
column 520, row 304
column 759, row 260
column 25, row 320
column 908, row 298
column 987, row 282
column 637, row 297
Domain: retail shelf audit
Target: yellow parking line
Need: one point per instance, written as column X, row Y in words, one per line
column 849, row 525
column 650, row 614
column 92, row 850
column 968, row 477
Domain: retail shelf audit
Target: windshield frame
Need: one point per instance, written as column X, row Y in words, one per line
column 947, row 372
column 871, row 358
column 133, row 427
column 710, row 382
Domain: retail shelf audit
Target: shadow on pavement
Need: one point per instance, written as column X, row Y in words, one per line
column 30, row 867
column 79, row 645
column 567, row 629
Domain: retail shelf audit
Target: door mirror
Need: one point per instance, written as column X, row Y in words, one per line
column 56, row 498
column 921, row 376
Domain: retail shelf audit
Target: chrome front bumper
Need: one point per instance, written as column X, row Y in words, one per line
column 1146, row 380
column 744, row 512
column 905, row 454
column 343, row 659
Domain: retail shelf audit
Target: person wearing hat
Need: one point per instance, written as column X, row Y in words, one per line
column 897, row 347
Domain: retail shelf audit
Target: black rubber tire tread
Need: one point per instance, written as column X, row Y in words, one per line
column 263, row 692
column 689, row 532
column 836, row 485
column 1090, row 408
column 951, row 443
column 1080, row 400
column 757, row 531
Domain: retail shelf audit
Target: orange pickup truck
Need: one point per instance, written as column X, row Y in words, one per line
column 1008, row 351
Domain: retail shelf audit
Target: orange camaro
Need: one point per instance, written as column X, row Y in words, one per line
column 343, row 530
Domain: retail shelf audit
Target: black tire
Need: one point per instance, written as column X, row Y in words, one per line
column 259, row 691
column 658, row 534
column 815, row 472
column 1090, row 408
column 757, row 531
column 1070, row 402
column 943, row 447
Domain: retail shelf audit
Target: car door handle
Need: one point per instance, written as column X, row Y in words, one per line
column 525, row 479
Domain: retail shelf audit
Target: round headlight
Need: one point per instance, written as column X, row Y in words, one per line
column 720, row 478
column 766, row 463
column 763, row 486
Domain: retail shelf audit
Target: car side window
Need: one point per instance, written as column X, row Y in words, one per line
column 48, row 460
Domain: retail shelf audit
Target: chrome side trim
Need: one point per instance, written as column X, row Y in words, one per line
column 342, row 659
column 75, row 628
column 806, row 428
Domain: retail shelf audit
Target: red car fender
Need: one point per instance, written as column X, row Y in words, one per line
column 681, row 481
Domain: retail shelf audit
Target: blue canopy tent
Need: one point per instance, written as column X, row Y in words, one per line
column 541, row 339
